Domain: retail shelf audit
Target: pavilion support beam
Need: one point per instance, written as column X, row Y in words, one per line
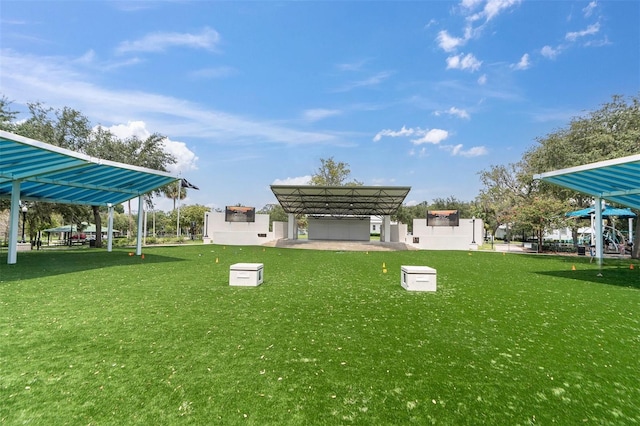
column 14, row 213
column 109, row 229
column 140, row 221
column 598, row 229
column 385, row 231
column 292, row 227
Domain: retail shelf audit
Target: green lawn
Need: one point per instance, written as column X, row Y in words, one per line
column 89, row 337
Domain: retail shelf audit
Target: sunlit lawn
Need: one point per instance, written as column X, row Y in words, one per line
column 89, row 337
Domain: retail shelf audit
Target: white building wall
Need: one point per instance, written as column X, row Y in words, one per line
column 398, row 232
column 446, row 237
column 220, row 231
column 342, row 229
column 279, row 230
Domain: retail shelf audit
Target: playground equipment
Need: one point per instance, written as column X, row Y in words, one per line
column 614, row 241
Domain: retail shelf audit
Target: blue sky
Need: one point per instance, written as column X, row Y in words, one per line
column 418, row 93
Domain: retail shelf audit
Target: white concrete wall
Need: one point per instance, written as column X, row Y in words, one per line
column 446, row 237
column 279, row 230
column 237, row 233
column 343, row 229
column 398, row 232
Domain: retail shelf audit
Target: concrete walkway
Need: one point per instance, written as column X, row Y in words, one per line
column 342, row 245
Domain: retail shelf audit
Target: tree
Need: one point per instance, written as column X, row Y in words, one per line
column 276, row 214
column 504, row 188
column 173, row 191
column 331, row 173
column 609, row 132
column 70, row 129
column 7, row 115
column 147, row 153
column 192, row 217
column 541, row 214
column 465, row 209
column 406, row 214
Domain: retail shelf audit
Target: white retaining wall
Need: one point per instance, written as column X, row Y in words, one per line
column 446, row 237
column 238, row 233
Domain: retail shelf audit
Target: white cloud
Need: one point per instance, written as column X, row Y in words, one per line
column 449, row 43
column 433, row 136
column 351, row 66
column 393, row 133
column 482, row 80
column 460, row 113
column 457, row 150
column 588, row 10
column 185, row 158
column 207, row 39
column 494, row 7
column 470, row 4
column 591, row 30
column 217, row 72
column 319, row 114
column 549, row 52
column 465, row 62
column 374, row 80
column 420, row 153
column 300, row 180
column 523, row 64
column 64, row 83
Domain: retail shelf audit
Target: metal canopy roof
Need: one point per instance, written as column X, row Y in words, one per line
column 52, row 174
column 615, row 180
column 340, row 201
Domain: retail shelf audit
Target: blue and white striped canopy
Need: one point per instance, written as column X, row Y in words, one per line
column 52, row 174
column 616, row 180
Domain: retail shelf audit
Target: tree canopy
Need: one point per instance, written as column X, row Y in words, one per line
column 332, row 173
column 70, row 129
column 511, row 196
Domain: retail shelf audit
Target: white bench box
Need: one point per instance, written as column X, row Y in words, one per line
column 418, row 278
column 246, row 274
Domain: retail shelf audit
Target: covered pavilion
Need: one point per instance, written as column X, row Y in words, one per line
column 31, row 170
column 341, row 202
column 617, row 181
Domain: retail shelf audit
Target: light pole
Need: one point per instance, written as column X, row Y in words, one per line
column 24, row 219
column 473, row 223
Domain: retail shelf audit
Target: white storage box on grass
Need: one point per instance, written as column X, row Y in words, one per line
column 418, row 278
column 246, row 274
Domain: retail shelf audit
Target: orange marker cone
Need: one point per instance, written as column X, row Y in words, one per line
column 631, row 266
column 573, row 267
column 142, row 256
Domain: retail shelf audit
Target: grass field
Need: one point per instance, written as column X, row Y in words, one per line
column 89, row 337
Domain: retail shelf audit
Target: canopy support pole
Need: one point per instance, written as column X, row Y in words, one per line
column 109, row 229
column 12, row 257
column 140, row 217
column 598, row 229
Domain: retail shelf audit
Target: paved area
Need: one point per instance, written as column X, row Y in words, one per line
column 342, row 245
